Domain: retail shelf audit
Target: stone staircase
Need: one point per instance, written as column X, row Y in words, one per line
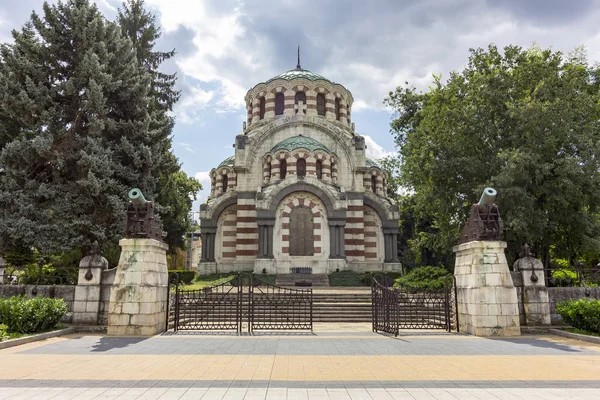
column 289, row 280
column 352, row 305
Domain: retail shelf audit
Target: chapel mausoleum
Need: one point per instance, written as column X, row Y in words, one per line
column 299, row 192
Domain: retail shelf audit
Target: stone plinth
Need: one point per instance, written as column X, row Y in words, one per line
column 487, row 299
column 86, row 306
column 138, row 297
column 536, row 303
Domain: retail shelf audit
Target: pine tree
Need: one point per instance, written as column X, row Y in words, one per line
column 175, row 188
column 77, row 131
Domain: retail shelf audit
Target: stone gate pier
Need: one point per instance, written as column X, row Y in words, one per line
column 138, row 298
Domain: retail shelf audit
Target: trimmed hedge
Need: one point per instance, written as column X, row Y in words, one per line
column 23, row 315
column 426, row 278
column 582, row 314
column 185, row 276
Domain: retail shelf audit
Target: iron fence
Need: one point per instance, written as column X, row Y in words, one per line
column 39, row 274
column 409, row 308
column 243, row 300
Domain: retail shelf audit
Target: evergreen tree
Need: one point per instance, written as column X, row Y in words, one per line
column 76, row 129
column 175, row 189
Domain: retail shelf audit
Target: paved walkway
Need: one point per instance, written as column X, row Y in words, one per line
column 334, row 362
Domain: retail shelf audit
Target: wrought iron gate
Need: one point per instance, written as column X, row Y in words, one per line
column 406, row 308
column 243, row 300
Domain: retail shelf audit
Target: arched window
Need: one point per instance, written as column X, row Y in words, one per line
column 338, row 106
column 301, row 167
column 300, row 96
column 301, row 232
column 262, row 108
column 319, row 167
column 225, row 182
column 321, row 104
column 279, row 103
column 282, row 169
column 373, row 183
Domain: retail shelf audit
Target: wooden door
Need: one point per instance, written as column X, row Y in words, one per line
column 301, row 232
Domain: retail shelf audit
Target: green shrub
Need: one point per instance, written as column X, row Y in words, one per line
column 564, row 277
column 366, row 277
column 581, row 314
column 427, row 278
column 185, row 276
column 38, row 314
column 345, row 278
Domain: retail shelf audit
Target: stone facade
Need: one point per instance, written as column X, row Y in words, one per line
column 487, row 298
column 138, row 298
column 298, row 149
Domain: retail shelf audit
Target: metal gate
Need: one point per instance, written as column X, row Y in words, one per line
column 407, row 308
column 243, row 300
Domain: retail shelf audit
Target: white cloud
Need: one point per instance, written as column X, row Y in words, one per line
column 186, row 146
column 374, row 150
column 204, row 178
column 195, row 99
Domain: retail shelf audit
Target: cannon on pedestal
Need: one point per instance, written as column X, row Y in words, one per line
column 485, row 222
column 140, row 220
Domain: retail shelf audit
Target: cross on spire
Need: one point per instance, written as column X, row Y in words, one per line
column 298, row 65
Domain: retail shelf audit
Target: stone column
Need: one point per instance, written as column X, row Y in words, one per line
column 138, row 298
column 487, row 298
column 534, row 293
column 86, row 307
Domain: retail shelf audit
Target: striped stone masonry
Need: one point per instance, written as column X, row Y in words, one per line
column 373, row 236
column 227, row 234
column 247, row 230
column 354, row 235
column 379, row 181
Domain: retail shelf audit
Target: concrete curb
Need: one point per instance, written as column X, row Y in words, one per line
column 585, row 338
column 34, row 338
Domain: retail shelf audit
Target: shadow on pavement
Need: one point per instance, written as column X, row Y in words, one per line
column 110, row 343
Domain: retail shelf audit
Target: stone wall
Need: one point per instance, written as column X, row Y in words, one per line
column 558, row 294
column 65, row 292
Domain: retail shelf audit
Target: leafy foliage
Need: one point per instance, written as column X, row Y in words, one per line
column 525, row 122
column 581, row 314
column 367, row 276
column 73, row 106
column 22, row 315
column 427, row 277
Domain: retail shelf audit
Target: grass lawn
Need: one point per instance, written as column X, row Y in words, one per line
column 201, row 282
column 582, row 332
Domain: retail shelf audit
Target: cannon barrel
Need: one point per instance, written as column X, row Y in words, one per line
column 488, row 196
column 136, row 197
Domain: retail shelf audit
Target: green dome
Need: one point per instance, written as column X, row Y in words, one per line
column 299, row 142
column 370, row 163
column 228, row 162
column 299, row 73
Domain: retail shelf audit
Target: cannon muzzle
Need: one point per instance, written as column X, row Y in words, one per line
column 136, row 197
column 488, row 196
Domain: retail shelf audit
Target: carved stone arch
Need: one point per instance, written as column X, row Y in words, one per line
column 224, row 201
column 261, row 137
column 325, row 197
column 386, row 217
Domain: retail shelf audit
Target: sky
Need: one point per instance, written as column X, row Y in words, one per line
column 225, row 47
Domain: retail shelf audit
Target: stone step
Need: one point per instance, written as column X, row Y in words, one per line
column 290, row 280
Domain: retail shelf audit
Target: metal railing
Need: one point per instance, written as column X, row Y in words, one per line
column 409, row 308
column 244, row 299
column 39, row 275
